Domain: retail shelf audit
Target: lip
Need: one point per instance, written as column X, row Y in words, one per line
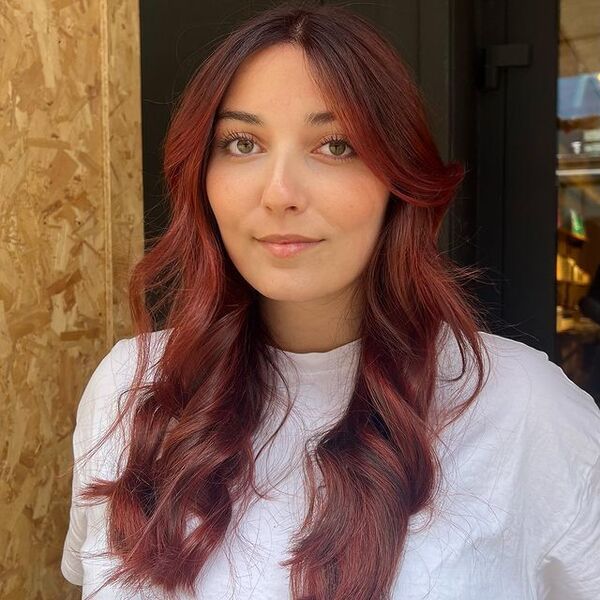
column 286, row 238
column 288, row 249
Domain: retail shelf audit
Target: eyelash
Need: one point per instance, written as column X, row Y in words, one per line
column 231, row 136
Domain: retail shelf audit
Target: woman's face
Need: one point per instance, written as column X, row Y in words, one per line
column 289, row 177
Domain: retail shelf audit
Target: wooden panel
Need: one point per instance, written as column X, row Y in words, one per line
column 71, row 227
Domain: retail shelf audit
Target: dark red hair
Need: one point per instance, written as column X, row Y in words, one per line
column 190, row 444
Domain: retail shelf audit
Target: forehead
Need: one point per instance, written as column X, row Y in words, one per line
column 275, row 84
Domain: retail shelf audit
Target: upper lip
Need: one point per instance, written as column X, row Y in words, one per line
column 288, row 238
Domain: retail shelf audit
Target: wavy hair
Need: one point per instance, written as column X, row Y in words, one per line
column 189, row 453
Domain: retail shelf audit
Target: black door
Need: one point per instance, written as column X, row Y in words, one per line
column 516, row 56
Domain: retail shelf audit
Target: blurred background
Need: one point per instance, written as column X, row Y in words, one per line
column 86, row 90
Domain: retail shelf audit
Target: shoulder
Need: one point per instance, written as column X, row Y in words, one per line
column 122, row 358
column 100, row 400
column 530, row 443
column 523, row 385
column 526, row 383
column 115, row 370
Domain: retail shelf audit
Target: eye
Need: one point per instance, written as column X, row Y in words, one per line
column 338, row 142
column 229, row 137
column 246, row 143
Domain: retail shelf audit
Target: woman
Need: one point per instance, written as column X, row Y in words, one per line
column 322, row 418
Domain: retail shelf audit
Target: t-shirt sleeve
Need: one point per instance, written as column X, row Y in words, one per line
column 571, row 568
column 100, row 385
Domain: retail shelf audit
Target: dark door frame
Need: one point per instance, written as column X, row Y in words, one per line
column 517, row 68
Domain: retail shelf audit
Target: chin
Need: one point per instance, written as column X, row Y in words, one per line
column 290, row 294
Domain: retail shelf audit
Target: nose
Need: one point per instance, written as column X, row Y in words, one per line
column 282, row 190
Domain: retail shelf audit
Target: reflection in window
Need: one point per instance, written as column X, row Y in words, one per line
column 578, row 186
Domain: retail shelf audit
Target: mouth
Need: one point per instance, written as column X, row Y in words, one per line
column 288, row 249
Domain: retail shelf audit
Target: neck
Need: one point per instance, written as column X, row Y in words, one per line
column 316, row 325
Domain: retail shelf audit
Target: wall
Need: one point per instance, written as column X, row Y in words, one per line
column 70, row 228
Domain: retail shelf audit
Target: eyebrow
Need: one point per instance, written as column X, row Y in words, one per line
column 313, row 118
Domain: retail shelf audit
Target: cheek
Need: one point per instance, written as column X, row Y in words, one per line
column 359, row 225
column 226, row 200
column 359, row 212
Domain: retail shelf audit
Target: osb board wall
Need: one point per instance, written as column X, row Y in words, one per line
column 70, row 229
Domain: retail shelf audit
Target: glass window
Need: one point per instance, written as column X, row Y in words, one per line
column 578, row 188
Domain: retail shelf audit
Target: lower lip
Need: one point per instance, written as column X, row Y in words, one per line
column 287, row 250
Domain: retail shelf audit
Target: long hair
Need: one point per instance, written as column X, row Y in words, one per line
column 189, row 456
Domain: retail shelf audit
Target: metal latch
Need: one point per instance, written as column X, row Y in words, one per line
column 500, row 56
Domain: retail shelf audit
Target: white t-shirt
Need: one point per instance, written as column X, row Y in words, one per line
column 520, row 508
